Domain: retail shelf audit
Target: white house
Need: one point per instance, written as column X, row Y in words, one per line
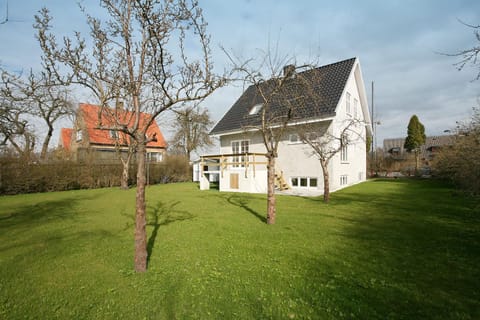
column 339, row 101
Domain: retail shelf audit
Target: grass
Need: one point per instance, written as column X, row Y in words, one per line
column 403, row 249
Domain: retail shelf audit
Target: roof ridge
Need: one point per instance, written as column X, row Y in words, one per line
column 335, row 63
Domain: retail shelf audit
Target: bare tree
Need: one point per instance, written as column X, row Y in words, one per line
column 326, row 144
column 469, row 55
column 139, row 55
column 40, row 97
column 15, row 129
column 192, row 126
column 279, row 95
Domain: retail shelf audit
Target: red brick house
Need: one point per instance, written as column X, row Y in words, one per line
column 85, row 141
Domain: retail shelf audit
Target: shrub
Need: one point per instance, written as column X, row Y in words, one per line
column 17, row 176
column 459, row 162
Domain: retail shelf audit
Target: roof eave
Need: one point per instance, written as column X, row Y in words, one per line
column 290, row 124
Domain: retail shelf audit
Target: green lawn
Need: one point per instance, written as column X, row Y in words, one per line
column 402, row 249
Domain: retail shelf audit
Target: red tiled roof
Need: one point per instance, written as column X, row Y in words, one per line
column 65, row 138
column 89, row 114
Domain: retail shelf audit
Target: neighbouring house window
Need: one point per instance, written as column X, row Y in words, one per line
column 113, row 134
column 355, row 108
column 239, row 149
column 78, row 135
column 294, row 138
column 347, row 103
column 255, row 109
column 304, row 182
column 155, row 156
column 343, row 180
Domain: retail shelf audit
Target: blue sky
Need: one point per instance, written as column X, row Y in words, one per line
column 396, row 42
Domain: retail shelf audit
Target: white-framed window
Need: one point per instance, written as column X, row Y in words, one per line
column 79, row 135
column 239, row 149
column 355, row 108
column 294, row 182
column 343, row 180
column 347, row 104
column 304, row 182
column 294, row 138
column 154, row 156
column 113, row 134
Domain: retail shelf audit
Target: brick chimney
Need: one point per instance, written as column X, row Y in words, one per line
column 289, row 71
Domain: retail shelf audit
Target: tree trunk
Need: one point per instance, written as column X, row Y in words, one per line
column 46, row 142
column 124, row 181
column 326, row 182
column 140, row 215
column 271, row 200
column 417, row 156
column 125, row 167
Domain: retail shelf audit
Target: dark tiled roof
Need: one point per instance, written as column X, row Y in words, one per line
column 314, row 93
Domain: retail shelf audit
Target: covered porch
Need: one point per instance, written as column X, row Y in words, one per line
column 245, row 172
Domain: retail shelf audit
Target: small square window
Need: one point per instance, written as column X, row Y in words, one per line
column 294, row 138
column 294, row 182
column 303, row 182
column 313, row 182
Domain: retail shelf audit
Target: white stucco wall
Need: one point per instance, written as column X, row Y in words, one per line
column 296, row 159
column 355, row 168
column 253, row 183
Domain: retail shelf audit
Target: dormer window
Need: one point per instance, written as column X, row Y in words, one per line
column 255, row 109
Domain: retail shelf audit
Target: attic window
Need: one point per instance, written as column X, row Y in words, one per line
column 255, row 109
column 113, row 134
column 312, row 136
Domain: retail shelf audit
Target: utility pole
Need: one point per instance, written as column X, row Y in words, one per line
column 373, row 158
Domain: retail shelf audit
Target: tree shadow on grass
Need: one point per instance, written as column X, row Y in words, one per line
column 163, row 214
column 241, row 201
column 48, row 211
column 47, row 224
